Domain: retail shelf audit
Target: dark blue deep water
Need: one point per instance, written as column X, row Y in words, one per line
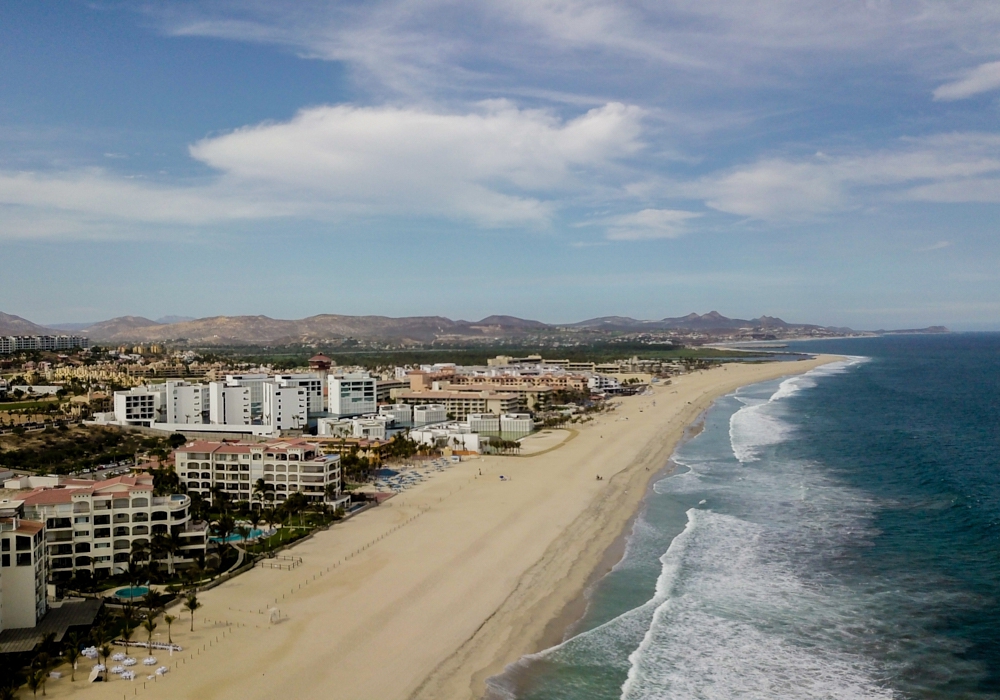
column 834, row 535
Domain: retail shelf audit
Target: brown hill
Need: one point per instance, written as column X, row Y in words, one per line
column 15, row 325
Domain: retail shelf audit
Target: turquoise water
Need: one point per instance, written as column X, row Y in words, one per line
column 834, row 535
column 131, row 592
column 254, row 534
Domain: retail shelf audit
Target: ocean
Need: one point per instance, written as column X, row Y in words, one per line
column 831, row 535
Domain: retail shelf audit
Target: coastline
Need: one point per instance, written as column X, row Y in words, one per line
column 542, row 620
column 441, row 587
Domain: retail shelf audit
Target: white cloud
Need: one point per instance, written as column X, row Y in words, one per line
column 650, row 224
column 984, row 78
column 943, row 168
column 494, row 166
column 935, row 246
column 430, row 47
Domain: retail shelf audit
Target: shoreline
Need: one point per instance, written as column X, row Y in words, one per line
column 447, row 679
column 441, row 587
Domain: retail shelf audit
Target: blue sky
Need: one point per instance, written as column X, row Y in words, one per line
column 825, row 161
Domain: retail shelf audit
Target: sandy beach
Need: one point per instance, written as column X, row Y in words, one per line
column 439, row 588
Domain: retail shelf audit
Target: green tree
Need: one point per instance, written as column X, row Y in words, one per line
column 72, row 653
column 149, row 625
column 191, row 604
column 36, row 680
column 169, row 619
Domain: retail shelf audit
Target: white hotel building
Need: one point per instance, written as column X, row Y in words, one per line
column 244, row 403
column 287, row 466
column 352, row 395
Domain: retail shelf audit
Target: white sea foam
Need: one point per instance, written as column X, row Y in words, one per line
column 731, row 621
column 758, row 425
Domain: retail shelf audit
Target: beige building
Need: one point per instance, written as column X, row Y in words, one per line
column 22, row 569
column 93, row 525
column 461, row 403
column 288, row 466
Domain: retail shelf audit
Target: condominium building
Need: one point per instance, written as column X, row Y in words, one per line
column 313, row 386
column 186, row 402
column 93, row 525
column 368, row 427
column 22, row 568
column 426, row 414
column 400, row 413
column 506, row 424
column 229, row 404
column 141, row 405
column 352, row 394
column 461, row 403
column 285, row 408
column 16, row 343
column 288, row 466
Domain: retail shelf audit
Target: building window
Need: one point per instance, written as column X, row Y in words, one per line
column 24, row 558
column 6, row 560
column 23, row 543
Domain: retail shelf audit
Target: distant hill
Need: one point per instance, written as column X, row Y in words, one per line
column 121, row 326
column 15, row 325
column 712, row 321
column 261, row 330
column 175, row 319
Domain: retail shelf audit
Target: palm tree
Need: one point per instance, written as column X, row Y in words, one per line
column 105, row 652
column 149, row 626
column 127, row 632
column 36, row 680
column 72, row 653
column 223, row 528
column 169, row 619
column 191, row 604
column 259, row 489
column 244, row 532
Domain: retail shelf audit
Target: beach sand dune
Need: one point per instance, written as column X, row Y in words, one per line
column 439, row 588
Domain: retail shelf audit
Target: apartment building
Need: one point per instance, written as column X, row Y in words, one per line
column 186, row 402
column 93, row 525
column 22, row 568
column 400, row 413
column 352, row 394
column 285, row 407
column 229, row 404
column 366, row 427
column 461, row 403
column 427, row 414
column 16, row 343
column 141, row 405
column 289, row 466
column 313, row 386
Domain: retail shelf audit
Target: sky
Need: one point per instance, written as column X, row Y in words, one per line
column 824, row 161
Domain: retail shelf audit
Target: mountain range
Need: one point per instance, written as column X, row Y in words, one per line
column 226, row 330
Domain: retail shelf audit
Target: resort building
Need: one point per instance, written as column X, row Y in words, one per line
column 461, row 403
column 287, row 466
column 400, row 413
column 16, row 343
column 507, row 424
column 229, row 404
column 368, row 427
column 352, row 394
column 22, row 568
column 141, row 406
column 427, row 414
column 93, row 525
column 186, row 402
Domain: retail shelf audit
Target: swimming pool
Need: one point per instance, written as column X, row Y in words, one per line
column 131, row 592
column 254, row 534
